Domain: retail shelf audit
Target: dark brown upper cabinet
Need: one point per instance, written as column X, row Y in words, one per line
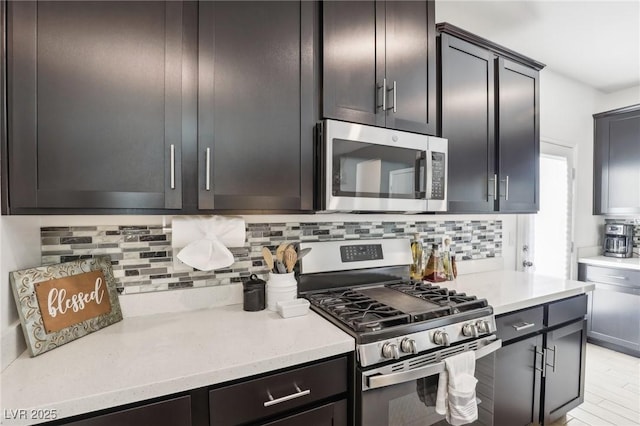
column 616, row 161
column 97, row 99
column 490, row 115
column 256, row 111
column 379, row 64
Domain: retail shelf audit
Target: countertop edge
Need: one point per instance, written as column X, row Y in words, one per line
column 540, row 300
column 631, row 263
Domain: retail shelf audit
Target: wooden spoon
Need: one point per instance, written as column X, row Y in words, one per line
column 290, row 258
column 268, row 257
column 280, row 251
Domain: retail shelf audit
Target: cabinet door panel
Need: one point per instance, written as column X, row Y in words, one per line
column 351, row 63
column 564, row 383
column 615, row 315
column 410, row 62
column 468, row 123
column 251, row 71
column 96, row 103
column 518, row 137
column 617, row 163
column 517, row 383
column 334, row 414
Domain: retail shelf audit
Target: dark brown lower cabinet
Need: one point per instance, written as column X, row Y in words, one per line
column 173, row 412
column 540, row 369
column 564, row 381
column 517, row 386
column 334, row 414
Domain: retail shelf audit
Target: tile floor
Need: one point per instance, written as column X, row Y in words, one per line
column 612, row 391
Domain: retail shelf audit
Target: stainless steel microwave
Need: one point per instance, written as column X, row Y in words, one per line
column 372, row 169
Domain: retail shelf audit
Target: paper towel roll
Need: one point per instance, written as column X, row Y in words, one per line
column 203, row 240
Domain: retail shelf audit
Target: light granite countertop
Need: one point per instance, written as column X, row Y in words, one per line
column 612, row 262
column 150, row 356
column 509, row 291
column 146, row 357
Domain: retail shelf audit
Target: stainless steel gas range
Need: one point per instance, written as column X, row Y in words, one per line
column 403, row 329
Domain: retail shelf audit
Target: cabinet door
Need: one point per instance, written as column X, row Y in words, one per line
column 174, row 412
column 411, row 65
column 468, row 123
column 353, row 64
column 255, row 137
column 617, row 164
column 564, row 382
column 517, row 383
column 96, row 100
column 518, row 137
column 334, row 414
column 615, row 315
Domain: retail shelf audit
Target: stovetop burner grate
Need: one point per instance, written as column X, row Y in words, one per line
column 458, row 302
column 358, row 311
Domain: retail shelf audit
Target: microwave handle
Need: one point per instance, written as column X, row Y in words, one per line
column 419, row 190
column 378, row 381
column 428, row 175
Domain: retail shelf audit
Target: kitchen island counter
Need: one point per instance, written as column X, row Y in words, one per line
column 146, row 357
column 508, row 291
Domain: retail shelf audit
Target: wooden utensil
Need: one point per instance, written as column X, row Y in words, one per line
column 268, row 257
column 290, row 258
column 280, row 251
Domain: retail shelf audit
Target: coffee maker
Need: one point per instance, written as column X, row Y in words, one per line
column 618, row 240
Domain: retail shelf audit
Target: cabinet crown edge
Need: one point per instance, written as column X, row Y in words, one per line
column 445, row 27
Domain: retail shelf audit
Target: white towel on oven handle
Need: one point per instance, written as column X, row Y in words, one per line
column 456, row 397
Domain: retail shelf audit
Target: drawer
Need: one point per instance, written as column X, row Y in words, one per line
column 521, row 323
column 255, row 399
column 599, row 274
column 566, row 310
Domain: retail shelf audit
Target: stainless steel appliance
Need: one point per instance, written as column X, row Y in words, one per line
column 366, row 168
column 618, row 240
column 403, row 329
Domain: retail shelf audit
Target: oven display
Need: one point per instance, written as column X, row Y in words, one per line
column 360, row 252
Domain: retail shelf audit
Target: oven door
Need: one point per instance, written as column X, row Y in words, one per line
column 404, row 394
column 368, row 168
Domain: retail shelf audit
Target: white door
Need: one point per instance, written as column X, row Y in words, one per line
column 545, row 238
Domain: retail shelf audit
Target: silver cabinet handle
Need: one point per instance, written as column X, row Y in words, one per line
column 617, row 277
column 384, row 94
column 523, row 326
column 506, row 187
column 543, row 370
column 298, row 394
column 395, row 92
column 173, row 166
column 207, row 171
column 553, row 366
column 495, row 188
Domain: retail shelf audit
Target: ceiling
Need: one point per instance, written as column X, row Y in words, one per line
column 594, row 42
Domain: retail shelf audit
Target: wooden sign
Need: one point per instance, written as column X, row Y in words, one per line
column 60, row 303
column 70, row 300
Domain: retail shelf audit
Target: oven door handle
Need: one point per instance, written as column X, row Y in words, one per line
column 380, row 381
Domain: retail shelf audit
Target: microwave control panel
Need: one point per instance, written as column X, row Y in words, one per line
column 437, row 175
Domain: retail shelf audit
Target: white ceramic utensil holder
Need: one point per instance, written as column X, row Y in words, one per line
column 281, row 288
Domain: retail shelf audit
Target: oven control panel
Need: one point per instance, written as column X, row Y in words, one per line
column 361, row 252
column 423, row 341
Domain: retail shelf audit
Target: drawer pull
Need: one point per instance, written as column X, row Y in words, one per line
column 298, row 394
column 617, row 277
column 523, row 326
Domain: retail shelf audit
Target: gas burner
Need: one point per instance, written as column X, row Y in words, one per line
column 358, row 311
column 456, row 302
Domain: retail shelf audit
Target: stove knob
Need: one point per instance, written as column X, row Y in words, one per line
column 390, row 350
column 408, row 346
column 483, row 326
column 441, row 338
column 470, row 330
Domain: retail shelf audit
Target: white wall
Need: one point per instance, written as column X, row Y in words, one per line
column 620, row 99
column 19, row 249
column 566, row 110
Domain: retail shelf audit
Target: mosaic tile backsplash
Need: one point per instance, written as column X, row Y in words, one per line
column 142, row 256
